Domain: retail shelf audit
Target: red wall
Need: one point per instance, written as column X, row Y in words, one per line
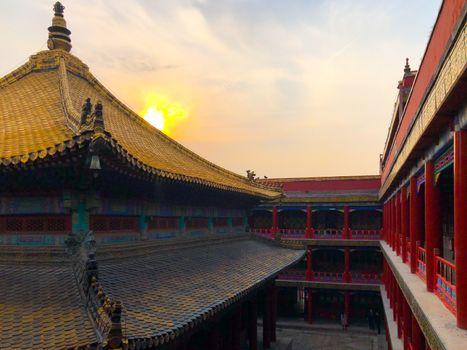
column 332, row 185
column 444, row 27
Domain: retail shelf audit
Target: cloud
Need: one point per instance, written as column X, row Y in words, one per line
column 287, row 88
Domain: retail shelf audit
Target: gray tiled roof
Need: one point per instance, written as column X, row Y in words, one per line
column 162, row 293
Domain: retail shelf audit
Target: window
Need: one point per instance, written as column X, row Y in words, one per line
column 104, row 223
column 35, row 223
column 163, row 223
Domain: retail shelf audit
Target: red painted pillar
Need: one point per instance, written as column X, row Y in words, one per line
column 309, row 311
column 393, row 223
column 394, row 297
column 433, row 227
column 252, row 325
column 407, row 323
column 416, row 223
column 418, row 341
column 404, row 222
column 309, row 224
column 309, row 265
column 346, row 234
column 460, row 224
column 346, row 276
column 273, row 312
column 274, row 220
column 398, row 222
column 236, row 327
column 399, row 312
column 214, row 337
column 267, row 320
column 347, row 306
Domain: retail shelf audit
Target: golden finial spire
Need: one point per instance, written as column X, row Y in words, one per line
column 59, row 35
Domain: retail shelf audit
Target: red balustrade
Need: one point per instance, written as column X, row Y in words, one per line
column 366, row 277
column 328, row 233
column 445, row 287
column 328, row 276
column 262, row 232
column 292, row 275
column 421, row 264
column 288, row 233
column 365, row 234
column 409, row 256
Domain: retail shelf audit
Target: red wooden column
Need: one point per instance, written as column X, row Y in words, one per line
column 252, row 325
column 274, row 220
column 404, row 222
column 418, row 341
column 407, row 323
column 309, row 264
column 460, row 224
column 432, row 223
column 393, row 223
column 309, row 224
column 416, row 224
column 236, row 328
column 397, row 198
column 346, row 233
column 273, row 312
column 346, row 276
column 347, row 306
column 214, row 337
column 267, row 320
column 309, row 305
column 399, row 311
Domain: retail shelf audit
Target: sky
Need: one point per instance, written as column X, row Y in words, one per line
column 286, row 88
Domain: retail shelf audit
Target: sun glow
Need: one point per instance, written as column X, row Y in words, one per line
column 162, row 113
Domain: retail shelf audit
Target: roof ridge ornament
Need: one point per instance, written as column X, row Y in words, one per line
column 407, row 70
column 59, row 34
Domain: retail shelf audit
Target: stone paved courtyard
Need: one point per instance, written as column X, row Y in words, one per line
column 325, row 337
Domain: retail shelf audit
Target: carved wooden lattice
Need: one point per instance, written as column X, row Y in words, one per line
column 35, row 223
column 104, row 223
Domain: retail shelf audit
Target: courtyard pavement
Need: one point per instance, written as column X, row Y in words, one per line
column 298, row 335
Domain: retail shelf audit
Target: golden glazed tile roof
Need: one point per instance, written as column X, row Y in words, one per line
column 39, row 104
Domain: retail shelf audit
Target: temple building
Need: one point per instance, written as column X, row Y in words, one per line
column 115, row 236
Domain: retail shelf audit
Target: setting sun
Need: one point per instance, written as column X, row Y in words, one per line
column 155, row 118
column 163, row 113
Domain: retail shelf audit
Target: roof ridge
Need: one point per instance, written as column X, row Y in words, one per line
column 91, row 79
column 72, row 117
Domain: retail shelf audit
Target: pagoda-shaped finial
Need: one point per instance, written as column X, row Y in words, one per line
column 407, row 70
column 59, row 35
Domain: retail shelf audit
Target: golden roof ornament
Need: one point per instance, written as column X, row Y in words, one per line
column 59, row 35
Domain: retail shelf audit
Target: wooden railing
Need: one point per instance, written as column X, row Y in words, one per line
column 366, row 277
column 263, row 232
column 421, row 263
column 291, row 233
column 327, row 233
column 365, row 234
column 292, row 275
column 446, row 283
column 328, row 276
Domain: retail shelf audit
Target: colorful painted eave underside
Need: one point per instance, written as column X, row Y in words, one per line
column 419, row 116
column 39, row 104
column 331, row 199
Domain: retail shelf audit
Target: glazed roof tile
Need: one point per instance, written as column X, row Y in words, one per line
column 169, row 289
column 162, row 293
column 40, row 308
column 39, row 113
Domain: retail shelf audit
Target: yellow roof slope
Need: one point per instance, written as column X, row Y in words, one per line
column 39, row 104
